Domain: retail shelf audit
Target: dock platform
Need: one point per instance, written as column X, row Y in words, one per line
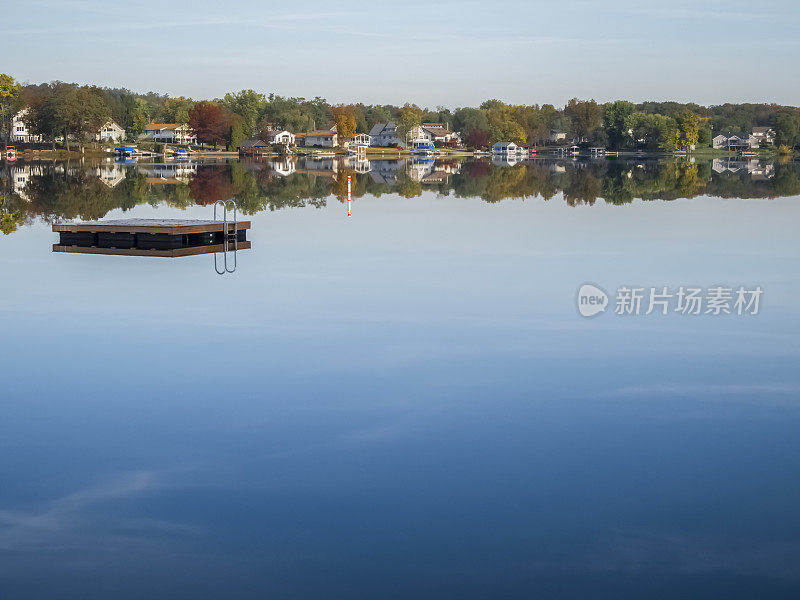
column 153, row 226
column 151, row 237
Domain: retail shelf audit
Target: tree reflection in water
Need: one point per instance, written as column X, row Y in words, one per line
column 57, row 191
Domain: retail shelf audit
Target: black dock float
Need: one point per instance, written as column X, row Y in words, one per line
column 151, row 237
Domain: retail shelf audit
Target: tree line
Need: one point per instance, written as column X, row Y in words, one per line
column 67, row 111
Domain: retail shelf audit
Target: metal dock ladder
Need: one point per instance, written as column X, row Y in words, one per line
column 230, row 236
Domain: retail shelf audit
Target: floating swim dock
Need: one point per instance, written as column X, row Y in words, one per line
column 152, row 237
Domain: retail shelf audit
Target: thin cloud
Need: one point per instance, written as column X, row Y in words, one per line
column 704, row 390
column 62, row 522
column 676, row 13
column 275, row 23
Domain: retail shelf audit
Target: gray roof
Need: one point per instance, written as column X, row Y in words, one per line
column 379, row 128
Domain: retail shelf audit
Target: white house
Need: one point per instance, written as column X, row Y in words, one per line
column 111, row 131
column 740, row 141
column 440, row 134
column 327, row 138
column 420, row 134
column 281, row 137
column 719, row 141
column 506, row 148
column 764, row 135
column 384, row 135
column 168, row 133
column 19, row 130
column 558, row 136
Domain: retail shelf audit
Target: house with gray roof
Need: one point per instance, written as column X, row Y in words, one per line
column 384, row 135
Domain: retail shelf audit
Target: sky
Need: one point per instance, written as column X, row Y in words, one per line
column 430, row 53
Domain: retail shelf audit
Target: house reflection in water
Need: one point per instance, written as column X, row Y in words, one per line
column 112, row 175
column 385, row 171
column 504, row 160
column 430, row 172
column 752, row 167
column 284, row 167
column 171, row 172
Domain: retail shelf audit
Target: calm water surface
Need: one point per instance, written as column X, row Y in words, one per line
column 403, row 403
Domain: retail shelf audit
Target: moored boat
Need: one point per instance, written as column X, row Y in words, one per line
column 126, row 151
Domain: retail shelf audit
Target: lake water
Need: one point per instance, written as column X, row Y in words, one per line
column 404, row 403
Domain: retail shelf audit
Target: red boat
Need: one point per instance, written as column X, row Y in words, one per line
column 11, row 153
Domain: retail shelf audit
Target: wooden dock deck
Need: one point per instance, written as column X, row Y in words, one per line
column 151, row 237
column 151, row 226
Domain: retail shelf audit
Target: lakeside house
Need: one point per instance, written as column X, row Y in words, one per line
column 112, row 132
column 19, row 130
column 20, row 133
column 435, row 134
column 274, row 135
column 254, row 147
column 559, row 137
column 286, row 138
column 764, row 135
column 168, row 133
column 739, row 141
column 506, row 148
column 384, row 135
column 326, row 138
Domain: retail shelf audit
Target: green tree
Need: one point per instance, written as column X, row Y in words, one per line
column 410, row 116
column 615, row 121
column 652, row 131
column 688, row 129
column 40, row 117
column 586, row 116
column 467, row 120
column 141, row 115
column 704, row 136
column 9, row 92
column 786, row 123
column 377, row 114
column 249, row 105
column 503, row 124
column 177, row 110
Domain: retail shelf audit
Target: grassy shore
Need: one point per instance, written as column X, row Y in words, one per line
column 372, row 153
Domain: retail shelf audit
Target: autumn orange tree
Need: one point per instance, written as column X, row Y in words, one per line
column 344, row 115
column 210, row 122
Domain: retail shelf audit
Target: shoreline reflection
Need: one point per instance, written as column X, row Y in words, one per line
column 63, row 190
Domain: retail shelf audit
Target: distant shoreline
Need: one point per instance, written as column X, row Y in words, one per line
column 389, row 153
